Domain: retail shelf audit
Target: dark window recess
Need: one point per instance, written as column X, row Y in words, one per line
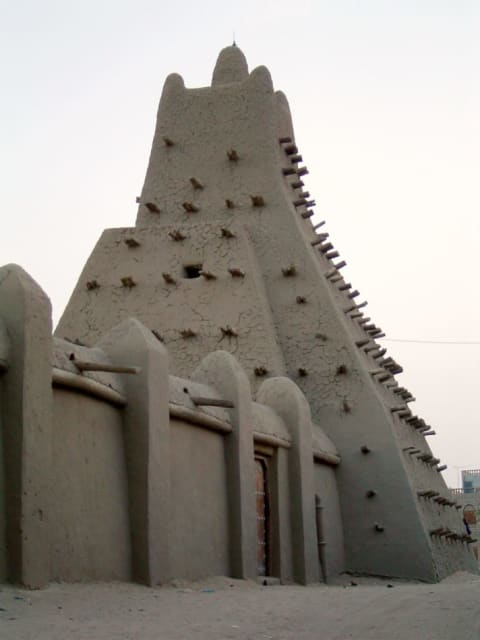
column 193, row 271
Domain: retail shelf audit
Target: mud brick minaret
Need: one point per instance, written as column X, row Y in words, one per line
column 224, row 255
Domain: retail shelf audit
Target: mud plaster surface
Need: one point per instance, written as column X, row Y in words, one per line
column 274, row 331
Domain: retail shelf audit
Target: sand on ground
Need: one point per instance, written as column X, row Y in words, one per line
column 226, row 609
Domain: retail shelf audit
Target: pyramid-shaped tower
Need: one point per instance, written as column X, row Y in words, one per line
column 224, row 255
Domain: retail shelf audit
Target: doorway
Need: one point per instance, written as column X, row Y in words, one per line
column 263, row 522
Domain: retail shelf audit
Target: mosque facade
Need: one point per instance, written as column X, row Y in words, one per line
column 215, row 400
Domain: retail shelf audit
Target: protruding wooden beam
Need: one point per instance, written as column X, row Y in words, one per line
column 331, row 254
column 298, row 184
column 326, row 247
column 176, row 235
column 189, row 207
column 196, row 184
column 232, row 155
column 289, row 271
column 199, row 401
column 236, row 273
column 230, row 204
column 226, row 233
column 208, row 275
column 400, row 407
column 319, row 239
column 361, row 343
column 350, row 308
column 92, row 284
column 425, row 457
column 131, row 243
column 84, row 365
column 257, row 201
column 168, row 141
column 384, row 377
column 302, row 171
column 229, row 331
column 128, row 282
column 152, row 207
column 391, row 385
column 188, row 333
column 169, row 279
column 373, row 347
column 290, row 149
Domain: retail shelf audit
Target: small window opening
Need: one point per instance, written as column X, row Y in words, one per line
column 192, row 271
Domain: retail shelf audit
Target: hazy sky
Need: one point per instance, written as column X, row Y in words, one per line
column 385, row 98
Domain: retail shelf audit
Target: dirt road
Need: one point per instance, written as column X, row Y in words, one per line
column 225, row 609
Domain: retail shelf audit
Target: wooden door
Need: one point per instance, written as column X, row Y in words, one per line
column 262, row 516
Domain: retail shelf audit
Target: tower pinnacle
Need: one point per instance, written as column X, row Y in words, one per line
column 231, row 66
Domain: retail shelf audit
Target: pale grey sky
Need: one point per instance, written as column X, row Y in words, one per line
column 385, row 100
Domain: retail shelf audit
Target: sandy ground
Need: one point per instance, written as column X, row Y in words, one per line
column 221, row 609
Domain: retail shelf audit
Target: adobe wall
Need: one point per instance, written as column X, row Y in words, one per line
column 4, row 361
column 332, row 526
column 199, row 538
column 3, row 518
column 186, row 304
column 147, row 482
column 141, row 480
column 89, row 525
column 26, row 420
